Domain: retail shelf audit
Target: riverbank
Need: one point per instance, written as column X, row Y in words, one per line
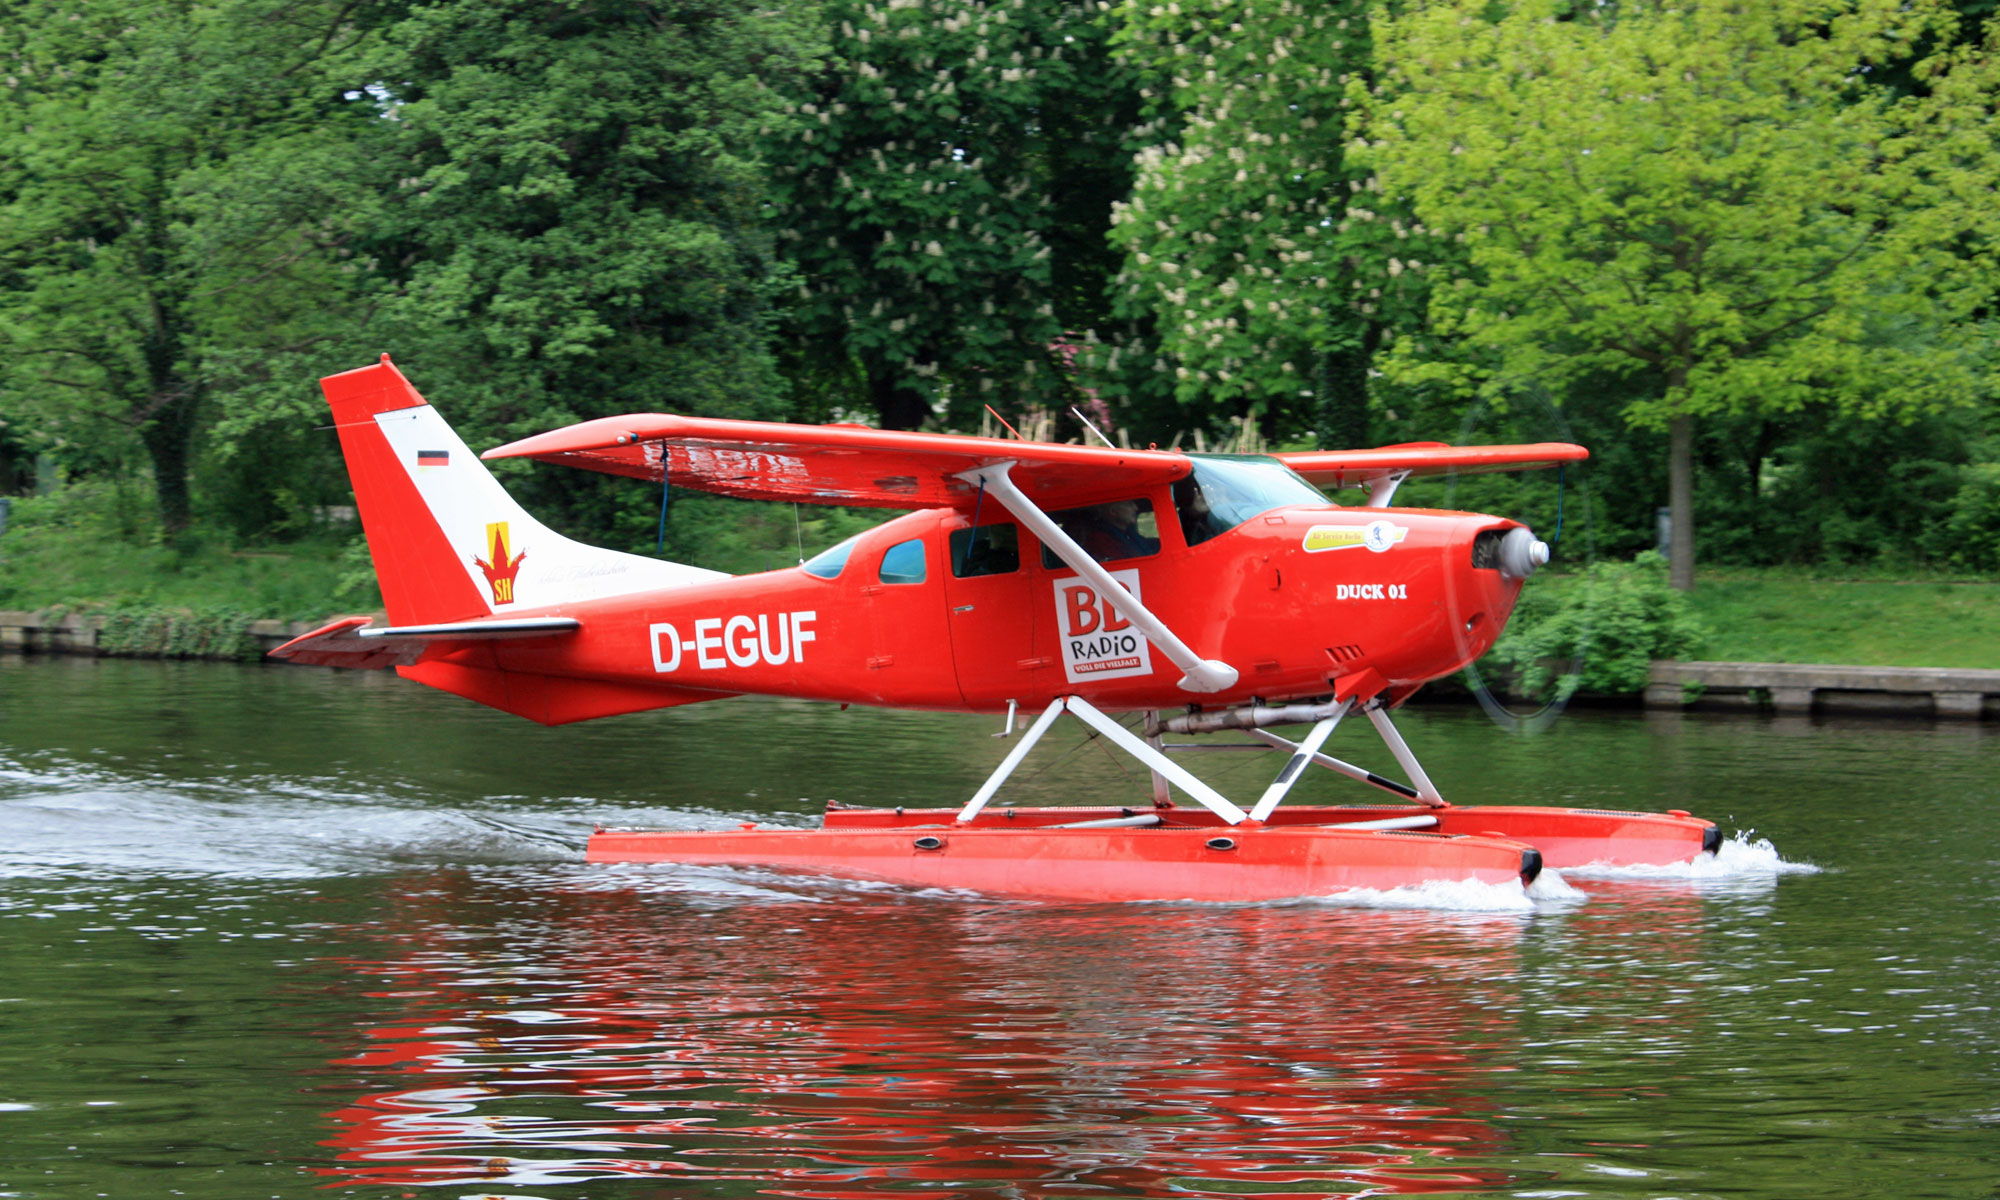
column 148, row 632
column 1739, row 686
column 1860, row 616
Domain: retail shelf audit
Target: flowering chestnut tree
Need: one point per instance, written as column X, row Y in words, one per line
column 943, row 187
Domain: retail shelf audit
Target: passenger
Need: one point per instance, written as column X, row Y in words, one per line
column 1109, row 532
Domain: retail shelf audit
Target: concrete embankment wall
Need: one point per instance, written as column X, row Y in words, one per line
column 1809, row 687
column 46, row 633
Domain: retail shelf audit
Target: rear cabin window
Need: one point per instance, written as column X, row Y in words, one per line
column 1108, row 532
column 987, row 550
column 904, row 562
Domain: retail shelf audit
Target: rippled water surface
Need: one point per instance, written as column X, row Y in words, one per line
column 286, row 932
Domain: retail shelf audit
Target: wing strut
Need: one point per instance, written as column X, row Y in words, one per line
column 1382, row 488
column 1202, row 674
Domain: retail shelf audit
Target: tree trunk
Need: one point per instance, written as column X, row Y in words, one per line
column 896, row 406
column 168, row 436
column 1341, row 422
column 167, row 413
column 1680, row 502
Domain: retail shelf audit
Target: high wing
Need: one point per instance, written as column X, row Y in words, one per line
column 878, row 468
column 842, row 464
column 1362, row 468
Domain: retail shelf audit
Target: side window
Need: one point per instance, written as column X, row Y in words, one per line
column 827, row 563
column 904, row 562
column 987, row 550
column 1108, row 532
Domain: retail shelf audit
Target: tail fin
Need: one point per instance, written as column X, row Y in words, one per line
column 449, row 543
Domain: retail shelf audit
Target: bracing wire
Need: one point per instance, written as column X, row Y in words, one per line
column 666, row 495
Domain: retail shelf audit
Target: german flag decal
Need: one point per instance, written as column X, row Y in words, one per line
column 433, row 458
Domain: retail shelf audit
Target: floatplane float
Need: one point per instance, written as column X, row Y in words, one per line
column 1208, row 593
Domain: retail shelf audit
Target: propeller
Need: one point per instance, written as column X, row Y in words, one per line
column 1571, row 535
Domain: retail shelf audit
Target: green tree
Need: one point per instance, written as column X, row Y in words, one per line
column 945, row 188
column 1275, row 267
column 579, row 224
column 175, row 178
column 1711, row 200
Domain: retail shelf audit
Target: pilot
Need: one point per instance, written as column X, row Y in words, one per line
column 1199, row 521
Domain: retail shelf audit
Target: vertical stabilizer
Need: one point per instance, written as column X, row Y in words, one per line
column 449, row 543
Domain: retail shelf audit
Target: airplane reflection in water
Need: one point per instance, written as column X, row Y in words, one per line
column 956, row 1047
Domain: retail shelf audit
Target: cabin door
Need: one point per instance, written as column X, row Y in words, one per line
column 992, row 616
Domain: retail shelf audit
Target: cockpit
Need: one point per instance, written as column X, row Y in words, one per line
column 1225, row 490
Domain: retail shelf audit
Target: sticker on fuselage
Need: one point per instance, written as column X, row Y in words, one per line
column 1097, row 641
column 1378, row 536
column 1371, row 591
column 773, row 639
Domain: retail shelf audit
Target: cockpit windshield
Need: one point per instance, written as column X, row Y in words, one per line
column 1226, row 490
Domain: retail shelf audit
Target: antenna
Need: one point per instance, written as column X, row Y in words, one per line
column 1094, row 429
column 1003, row 421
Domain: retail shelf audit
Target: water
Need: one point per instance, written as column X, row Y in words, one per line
column 286, row 932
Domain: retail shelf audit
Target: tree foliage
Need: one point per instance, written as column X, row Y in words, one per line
column 1273, row 266
column 1746, row 249
column 944, row 189
column 174, row 182
column 1711, row 199
column 577, row 226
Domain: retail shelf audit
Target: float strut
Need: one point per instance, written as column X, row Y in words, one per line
column 1297, row 764
column 1363, row 775
column 1162, row 798
column 1427, row 792
column 1118, row 736
column 1013, row 760
column 1133, row 745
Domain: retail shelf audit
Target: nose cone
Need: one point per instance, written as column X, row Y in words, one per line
column 1522, row 553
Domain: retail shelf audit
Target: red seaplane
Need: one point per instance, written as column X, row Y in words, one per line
column 1208, row 592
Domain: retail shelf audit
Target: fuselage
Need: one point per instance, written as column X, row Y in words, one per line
column 918, row 613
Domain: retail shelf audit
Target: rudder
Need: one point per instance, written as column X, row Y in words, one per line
column 448, row 542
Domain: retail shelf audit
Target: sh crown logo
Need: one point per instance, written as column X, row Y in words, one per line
column 500, row 569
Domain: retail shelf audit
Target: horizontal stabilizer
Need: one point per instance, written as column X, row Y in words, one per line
column 352, row 642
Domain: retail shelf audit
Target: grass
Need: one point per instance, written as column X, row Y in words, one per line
column 86, row 549
column 82, row 566
column 1791, row 616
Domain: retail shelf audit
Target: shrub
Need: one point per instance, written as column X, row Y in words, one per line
column 1600, row 632
column 1969, row 535
column 152, row 631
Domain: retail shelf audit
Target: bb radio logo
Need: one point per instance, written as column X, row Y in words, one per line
column 499, row 568
column 1097, row 641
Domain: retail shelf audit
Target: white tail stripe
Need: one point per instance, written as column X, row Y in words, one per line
column 545, row 568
